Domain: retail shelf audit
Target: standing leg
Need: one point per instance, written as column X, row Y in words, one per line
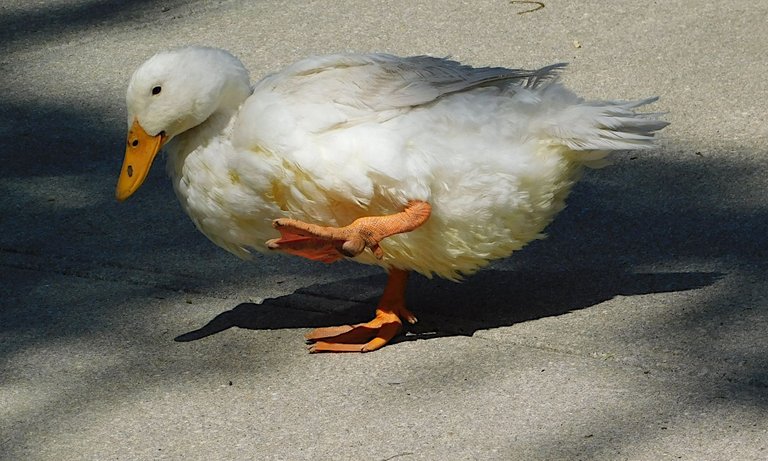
column 369, row 336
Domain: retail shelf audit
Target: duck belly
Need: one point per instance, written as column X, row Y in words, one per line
column 484, row 210
column 492, row 184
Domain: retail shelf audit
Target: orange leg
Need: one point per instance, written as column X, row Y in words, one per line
column 366, row 337
column 329, row 244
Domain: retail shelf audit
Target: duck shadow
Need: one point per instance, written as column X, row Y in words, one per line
column 489, row 299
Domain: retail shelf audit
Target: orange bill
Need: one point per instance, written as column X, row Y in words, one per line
column 140, row 151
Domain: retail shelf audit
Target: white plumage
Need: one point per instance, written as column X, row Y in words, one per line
column 330, row 139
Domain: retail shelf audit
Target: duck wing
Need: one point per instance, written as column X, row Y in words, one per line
column 325, row 93
column 379, row 82
column 325, row 119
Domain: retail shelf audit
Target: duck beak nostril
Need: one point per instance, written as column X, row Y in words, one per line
column 140, row 152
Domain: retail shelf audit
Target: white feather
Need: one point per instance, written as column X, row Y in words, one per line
column 330, row 139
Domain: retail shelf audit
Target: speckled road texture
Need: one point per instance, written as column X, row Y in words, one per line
column 636, row 331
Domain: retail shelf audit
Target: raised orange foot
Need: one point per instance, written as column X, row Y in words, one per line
column 329, row 244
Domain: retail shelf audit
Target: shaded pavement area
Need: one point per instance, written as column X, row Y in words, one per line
column 636, row 330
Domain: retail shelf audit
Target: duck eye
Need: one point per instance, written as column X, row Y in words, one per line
column 156, row 90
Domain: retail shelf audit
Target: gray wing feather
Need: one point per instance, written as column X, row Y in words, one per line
column 380, row 82
column 421, row 79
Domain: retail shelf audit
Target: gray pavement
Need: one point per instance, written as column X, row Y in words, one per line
column 638, row 330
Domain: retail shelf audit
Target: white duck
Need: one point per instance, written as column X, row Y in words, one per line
column 414, row 164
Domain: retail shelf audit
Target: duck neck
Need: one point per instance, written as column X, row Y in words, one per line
column 214, row 129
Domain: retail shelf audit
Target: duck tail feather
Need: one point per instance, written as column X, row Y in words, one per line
column 604, row 126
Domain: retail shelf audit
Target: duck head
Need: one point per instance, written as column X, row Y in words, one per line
column 171, row 93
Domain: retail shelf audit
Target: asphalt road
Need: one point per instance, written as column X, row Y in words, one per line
column 637, row 330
